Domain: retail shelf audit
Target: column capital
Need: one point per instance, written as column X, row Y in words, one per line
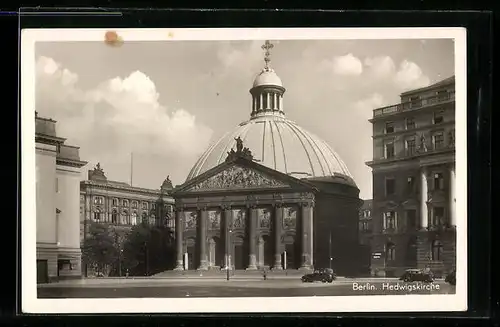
column 202, row 207
column 225, row 207
column 277, row 204
column 251, row 206
column 306, row 204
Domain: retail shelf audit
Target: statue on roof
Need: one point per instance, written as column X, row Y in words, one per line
column 239, row 144
column 241, row 152
column 167, row 183
column 98, row 167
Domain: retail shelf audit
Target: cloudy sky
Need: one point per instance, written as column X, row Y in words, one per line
column 168, row 101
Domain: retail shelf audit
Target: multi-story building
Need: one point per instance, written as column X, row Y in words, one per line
column 58, row 165
column 365, row 223
column 413, row 168
column 121, row 205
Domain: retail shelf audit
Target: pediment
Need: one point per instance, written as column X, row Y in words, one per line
column 237, row 177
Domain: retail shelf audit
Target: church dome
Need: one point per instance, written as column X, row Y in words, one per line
column 275, row 141
column 279, row 144
column 267, row 77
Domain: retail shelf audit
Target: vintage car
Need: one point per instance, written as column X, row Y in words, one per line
column 320, row 275
column 451, row 278
column 417, row 275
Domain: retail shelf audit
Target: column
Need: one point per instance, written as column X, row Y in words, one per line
column 281, row 102
column 178, row 239
column 275, row 102
column 424, row 222
column 278, row 218
column 305, row 219
column 227, row 235
column 453, row 218
column 252, row 228
column 261, row 105
column 202, row 238
column 268, row 105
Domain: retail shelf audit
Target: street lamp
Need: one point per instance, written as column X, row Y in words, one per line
column 120, row 255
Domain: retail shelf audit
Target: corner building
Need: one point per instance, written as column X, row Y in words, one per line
column 58, row 165
column 275, row 202
column 413, row 210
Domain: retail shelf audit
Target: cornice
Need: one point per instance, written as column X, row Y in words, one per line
column 70, row 162
column 129, row 189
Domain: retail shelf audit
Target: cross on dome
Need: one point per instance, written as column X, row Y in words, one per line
column 267, row 46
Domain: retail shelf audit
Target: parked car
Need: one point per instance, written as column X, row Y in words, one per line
column 320, row 275
column 451, row 278
column 417, row 275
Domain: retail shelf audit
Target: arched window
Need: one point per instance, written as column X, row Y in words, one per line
column 114, row 217
column 124, row 218
column 97, row 215
column 436, row 250
column 390, row 252
column 115, row 202
column 134, row 204
column 125, row 203
column 133, row 218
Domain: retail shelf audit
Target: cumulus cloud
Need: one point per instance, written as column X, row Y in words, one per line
column 410, row 75
column 347, row 65
column 365, row 107
column 380, row 67
column 117, row 117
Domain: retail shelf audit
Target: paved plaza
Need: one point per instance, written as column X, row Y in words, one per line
column 238, row 287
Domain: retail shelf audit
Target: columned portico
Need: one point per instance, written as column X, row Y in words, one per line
column 452, row 199
column 227, row 222
column 424, row 219
column 278, row 221
column 252, row 220
column 179, row 239
column 202, row 228
column 306, row 232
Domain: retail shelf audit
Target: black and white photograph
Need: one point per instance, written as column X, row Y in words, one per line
column 244, row 170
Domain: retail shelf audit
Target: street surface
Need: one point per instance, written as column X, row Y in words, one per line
column 204, row 287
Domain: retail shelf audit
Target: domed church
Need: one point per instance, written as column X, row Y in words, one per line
column 268, row 195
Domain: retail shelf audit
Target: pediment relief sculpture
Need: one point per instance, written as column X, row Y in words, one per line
column 238, row 178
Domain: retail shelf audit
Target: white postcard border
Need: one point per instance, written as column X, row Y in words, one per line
column 376, row 303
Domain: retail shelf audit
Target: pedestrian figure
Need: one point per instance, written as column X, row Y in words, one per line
column 264, row 272
column 126, row 274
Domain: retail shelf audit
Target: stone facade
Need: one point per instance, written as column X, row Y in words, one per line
column 57, row 180
column 242, row 215
column 122, row 206
column 413, row 210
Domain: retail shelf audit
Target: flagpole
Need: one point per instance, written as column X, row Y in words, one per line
column 131, row 168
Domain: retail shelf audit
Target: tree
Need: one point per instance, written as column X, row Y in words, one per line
column 148, row 250
column 99, row 248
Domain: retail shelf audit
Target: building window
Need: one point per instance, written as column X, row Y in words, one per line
column 145, row 206
column 410, row 146
column 411, row 219
column 390, row 252
column 115, row 202
column 390, row 186
column 436, row 250
column 144, row 218
column 438, row 181
column 389, row 127
column 390, row 220
column 410, row 123
column 366, row 214
column 134, row 204
column 153, row 206
column 133, row 219
column 114, row 217
column 438, row 140
column 98, row 200
column 442, row 95
column 438, row 216
column 438, row 117
column 97, row 216
column 389, row 150
column 415, row 102
column 410, row 185
column 125, row 203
